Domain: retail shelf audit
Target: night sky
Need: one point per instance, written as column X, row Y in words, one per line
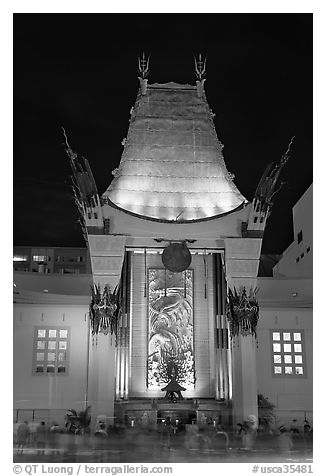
column 79, row 71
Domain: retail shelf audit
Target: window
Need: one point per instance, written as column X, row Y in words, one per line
column 288, row 357
column 68, row 270
column 51, row 350
column 41, row 258
column 20, row 258
column 299, row 236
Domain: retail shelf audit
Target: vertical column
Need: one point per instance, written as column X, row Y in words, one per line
column 223, row 356
column 107, row 255
column 241, row 265
column 122, row 349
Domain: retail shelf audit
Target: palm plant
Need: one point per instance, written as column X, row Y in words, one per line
column 78, row 422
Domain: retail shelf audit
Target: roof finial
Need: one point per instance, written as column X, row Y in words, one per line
column 200, row 67
column 143, row 66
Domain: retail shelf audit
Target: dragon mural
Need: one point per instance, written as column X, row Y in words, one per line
column 170, row 326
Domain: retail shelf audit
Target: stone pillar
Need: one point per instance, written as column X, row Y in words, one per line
column 107, row 255
column 241, row 263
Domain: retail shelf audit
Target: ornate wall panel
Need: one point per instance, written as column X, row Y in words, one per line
column 170, row 327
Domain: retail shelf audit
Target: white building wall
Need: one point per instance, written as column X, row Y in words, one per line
column 49, row 391
column 297, row 258
column 291, row 395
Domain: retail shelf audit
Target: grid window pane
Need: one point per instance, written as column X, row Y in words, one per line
column 288, row 356
column 51, row 350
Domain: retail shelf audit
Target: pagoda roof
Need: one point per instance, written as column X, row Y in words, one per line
column 172, row 166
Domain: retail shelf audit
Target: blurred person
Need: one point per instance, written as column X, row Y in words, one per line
column 23, row 435
column 307, row 436
column 192, row 438
column 284, row 440
column 41, row 437
column 249, row 434
column 167, row 432
column 306, row 427
column 53, row 437
column 294, row 427
column 220, row 440
column 101, row 430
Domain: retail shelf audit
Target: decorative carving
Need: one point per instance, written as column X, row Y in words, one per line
column 170, row 328
column 173, row 389
column 105, row 310
column 267, row 186
column 84, row 185
column 200, row 67
column 242, row 312
column 143, row 66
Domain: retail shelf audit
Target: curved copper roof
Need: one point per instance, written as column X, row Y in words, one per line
column 172, row 166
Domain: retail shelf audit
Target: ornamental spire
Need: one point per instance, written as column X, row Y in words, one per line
column 200, row 67
column 143, row 66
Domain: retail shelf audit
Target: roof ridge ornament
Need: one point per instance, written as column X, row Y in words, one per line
column 200, row 67
column 200, row 72
column 266, row 189
column 143, row 70
column 143, row 66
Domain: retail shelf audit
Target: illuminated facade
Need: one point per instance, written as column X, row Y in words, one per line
column 171, row 234
column 168, row 240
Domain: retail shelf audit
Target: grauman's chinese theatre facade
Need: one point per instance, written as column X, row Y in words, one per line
column 175, row 251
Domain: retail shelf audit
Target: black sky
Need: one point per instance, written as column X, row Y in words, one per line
column 80, row 71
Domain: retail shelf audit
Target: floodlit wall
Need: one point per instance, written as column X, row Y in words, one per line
column 47, row 391
column 292, row 395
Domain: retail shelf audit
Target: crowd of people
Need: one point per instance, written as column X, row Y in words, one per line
column 246, row 437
